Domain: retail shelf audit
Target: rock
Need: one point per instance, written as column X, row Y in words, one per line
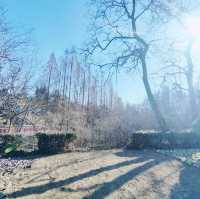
column 9, row 165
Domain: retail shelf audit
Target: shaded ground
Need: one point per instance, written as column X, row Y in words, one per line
column 189, row 156
column 105, row 174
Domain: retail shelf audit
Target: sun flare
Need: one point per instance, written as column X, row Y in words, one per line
column 192, row 25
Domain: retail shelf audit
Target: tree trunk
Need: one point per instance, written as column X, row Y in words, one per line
column 83, row 90
column 88, row 86
column 192, row 99
column 49, row 82
column 189, row 77
column 151, row 98
column 64, row 81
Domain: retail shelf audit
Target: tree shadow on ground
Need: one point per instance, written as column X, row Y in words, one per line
column 133, row 153
column 189, row 184
column 109, row 187
column 48, row 172
column 102, row 190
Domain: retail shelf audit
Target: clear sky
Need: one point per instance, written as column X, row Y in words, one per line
column 61, row 24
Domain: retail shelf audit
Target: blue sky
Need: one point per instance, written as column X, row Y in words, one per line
column 61, row 24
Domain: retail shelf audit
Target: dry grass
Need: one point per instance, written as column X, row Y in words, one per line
column 104, row 174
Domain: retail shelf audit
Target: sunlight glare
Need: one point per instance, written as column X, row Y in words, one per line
column 192, row 25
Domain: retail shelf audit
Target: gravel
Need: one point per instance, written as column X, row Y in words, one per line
column 8, row 165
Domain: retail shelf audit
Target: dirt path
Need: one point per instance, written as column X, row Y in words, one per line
column 105, row 174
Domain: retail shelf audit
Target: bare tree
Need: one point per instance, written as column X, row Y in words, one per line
column 189, row 73
column 52, row 66
column 117, row 27
column 180, row 65
column 65, row 74
column 83, row 87
column 88, row 85
column 14, row 73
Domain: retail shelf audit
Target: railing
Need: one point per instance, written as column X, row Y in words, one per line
column 24, row 129
column 28, row 129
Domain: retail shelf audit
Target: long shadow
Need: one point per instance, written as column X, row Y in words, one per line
column 58, row 167
column 57, row 184
column 128, row 153
column 189, row 184
column 76, row 161
column 79, row 189
column 109, row 187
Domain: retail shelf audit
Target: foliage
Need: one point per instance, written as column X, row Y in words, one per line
column 9, row 144
column 54, row 143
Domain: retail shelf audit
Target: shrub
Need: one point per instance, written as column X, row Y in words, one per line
column 9, row 144
column 164, row 140
column 53, row 143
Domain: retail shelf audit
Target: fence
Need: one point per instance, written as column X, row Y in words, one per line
column 23, row 130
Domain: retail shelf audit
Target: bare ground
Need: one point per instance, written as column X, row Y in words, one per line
column 104, row 174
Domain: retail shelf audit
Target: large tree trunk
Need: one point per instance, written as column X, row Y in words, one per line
column 151, row 98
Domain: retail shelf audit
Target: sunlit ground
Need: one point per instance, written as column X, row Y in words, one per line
column 104, row 174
